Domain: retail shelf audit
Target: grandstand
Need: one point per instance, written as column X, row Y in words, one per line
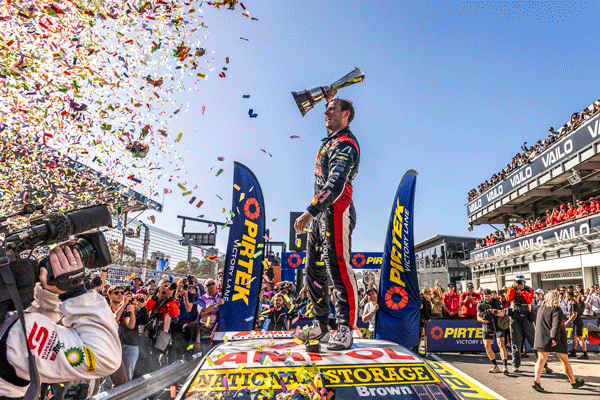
column 561, row 254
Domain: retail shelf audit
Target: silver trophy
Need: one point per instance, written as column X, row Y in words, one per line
column 307, row 99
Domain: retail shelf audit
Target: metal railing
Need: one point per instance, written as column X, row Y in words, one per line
column 152, row 383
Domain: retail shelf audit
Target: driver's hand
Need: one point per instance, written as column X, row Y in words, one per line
column 62, row 260
column 331, row 92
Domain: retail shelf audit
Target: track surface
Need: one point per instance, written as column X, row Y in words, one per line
column 517, row 386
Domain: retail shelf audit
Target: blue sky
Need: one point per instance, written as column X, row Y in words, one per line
column 451, row 90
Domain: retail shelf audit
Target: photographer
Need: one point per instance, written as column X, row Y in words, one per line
column 85, row 347
column 488, row 311
column 185, row 329
column 162, row 308
column 129, row 331
column 520, row 297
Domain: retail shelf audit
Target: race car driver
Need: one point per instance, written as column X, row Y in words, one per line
column 334, row 219
column 85, row 346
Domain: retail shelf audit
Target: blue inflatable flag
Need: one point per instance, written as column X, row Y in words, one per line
column 242, row 277
column 399, row 300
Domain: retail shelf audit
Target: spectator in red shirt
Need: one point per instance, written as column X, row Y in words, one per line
column 594, row 205
column 562, row 215
column 539, row 224
column 555, row 216
column 582, row 209
column 571, row 212
column 451, row 302
column 468, row 302
column 549, row 219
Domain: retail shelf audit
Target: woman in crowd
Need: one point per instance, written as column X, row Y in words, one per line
column 437, row 300
column 550, row 336
column 425, row 314
column 370, row 310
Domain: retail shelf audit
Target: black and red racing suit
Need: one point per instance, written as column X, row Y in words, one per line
column 334, row 219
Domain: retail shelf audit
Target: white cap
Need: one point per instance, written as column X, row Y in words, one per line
column 540, row 291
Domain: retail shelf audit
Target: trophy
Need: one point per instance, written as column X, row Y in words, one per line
column 307, row 99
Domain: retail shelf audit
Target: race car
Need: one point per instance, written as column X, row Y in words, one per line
column 269, row 365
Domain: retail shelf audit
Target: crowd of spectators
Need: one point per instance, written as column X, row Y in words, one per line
column 556, row 216
column 528, row 153
column 160, row 323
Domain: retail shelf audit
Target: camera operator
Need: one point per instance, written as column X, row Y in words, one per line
column 488, row 311
column 162, row 308
column 520, row 297
column 85, row 347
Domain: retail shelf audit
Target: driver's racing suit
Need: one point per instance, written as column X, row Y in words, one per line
column 86, row 346
column 334, row 219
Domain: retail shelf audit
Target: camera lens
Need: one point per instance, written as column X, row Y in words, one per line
column 86, row 251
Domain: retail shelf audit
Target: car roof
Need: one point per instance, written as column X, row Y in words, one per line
column 261, row 362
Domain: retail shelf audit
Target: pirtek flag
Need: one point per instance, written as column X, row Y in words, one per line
column 243, row 263
column 399, row 301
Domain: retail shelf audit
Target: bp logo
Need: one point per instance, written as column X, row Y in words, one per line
column 74, row 356
column 359, row 260
column 294, row 260
column 437, row 332
column 251, row 208
column 393, row 294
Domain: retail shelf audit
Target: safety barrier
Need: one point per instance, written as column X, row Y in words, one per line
column 465, row 335
column 151, row 383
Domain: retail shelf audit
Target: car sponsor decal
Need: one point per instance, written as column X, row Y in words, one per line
column 334, row 376
column 292, row 354
column 74, row 356
column 463, row 387
column 90, row 360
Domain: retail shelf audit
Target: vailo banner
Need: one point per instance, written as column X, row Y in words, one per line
column 242, row 277
column 399, row 300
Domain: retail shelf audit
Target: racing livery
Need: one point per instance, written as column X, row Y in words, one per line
column 255, row 363
column 336, row 166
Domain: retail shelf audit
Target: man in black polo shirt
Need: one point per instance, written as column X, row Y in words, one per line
column 488, row 310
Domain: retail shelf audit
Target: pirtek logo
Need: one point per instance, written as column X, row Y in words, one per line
column 396, row 254
column 456, row 333
column 246, row 256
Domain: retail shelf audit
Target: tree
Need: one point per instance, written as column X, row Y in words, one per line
column 129, row 256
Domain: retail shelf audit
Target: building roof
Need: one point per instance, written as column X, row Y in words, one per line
column 436, row 238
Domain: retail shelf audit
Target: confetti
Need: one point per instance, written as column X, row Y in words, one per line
column 219, row 172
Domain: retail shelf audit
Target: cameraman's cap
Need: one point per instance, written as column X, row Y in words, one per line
column 540, row 291
column 520, row 278
column 487, row 291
